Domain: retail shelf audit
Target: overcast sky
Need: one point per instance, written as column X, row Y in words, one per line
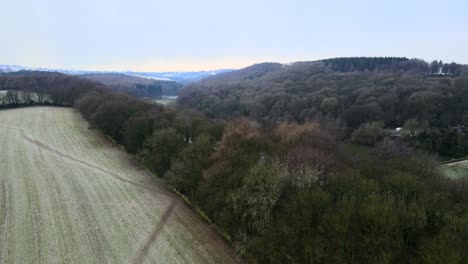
column 153, row 35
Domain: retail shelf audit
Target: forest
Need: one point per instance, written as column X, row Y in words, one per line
column 430, row 98
column 265, row 153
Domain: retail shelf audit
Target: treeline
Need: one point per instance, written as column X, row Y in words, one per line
column 45, row 88
column 293, row 193
column 350, row 64
column 440, row 68
column 21, row 98
column 393, row 64
column 270, row 93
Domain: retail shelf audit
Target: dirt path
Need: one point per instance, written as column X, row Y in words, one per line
column 67, row 195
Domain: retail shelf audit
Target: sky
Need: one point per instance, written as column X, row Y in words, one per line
column 176, row 35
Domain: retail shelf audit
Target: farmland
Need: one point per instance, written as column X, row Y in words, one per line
column 68, row 195
column 455, row 170
column 164, row 101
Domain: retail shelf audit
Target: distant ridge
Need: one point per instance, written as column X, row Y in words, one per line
column 138, row 86
column 392, row 89
column 181, row 77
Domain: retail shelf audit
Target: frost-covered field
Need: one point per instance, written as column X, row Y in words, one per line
column 455, row 170
column 67, row 195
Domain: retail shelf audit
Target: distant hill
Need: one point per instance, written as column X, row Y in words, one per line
column 181, row 77
column 137, row 86
column 253, row 72
column 354, row 90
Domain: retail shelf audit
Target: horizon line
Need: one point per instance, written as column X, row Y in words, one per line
column 103, row 70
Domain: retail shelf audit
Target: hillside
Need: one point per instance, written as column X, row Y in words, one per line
column 303, row 90
column 137, row 86
column 350, row 91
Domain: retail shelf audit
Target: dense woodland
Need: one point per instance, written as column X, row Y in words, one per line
column 283, row 184
column 355, row 91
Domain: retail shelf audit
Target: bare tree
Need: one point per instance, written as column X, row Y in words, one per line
column 26, row 97
column 12, row 98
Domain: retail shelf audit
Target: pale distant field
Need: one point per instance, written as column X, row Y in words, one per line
column 164, row 101
column 68, row 195
column 455, row 170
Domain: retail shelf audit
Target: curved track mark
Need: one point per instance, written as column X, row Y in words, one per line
column 84, row 163
column 154, row 235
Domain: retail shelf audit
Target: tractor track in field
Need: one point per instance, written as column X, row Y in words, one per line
column 3, row 219
column 154, row 235
column 69, row 196
column 98, row 241
column 82, row 162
